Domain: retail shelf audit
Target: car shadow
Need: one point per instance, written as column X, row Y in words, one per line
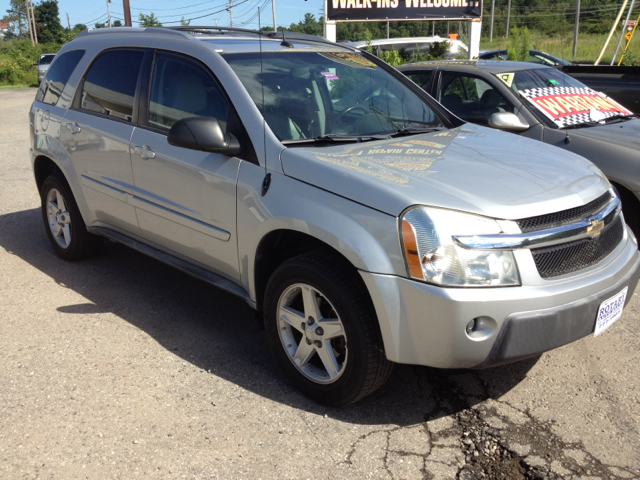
column 218, row 332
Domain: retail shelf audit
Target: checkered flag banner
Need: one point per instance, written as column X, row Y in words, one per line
column 567, row 106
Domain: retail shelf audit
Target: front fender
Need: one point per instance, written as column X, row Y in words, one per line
column 366, row 237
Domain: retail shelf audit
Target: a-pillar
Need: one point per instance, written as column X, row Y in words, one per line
column 475, row 28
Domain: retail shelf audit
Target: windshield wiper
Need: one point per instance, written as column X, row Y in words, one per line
column 403, row 132
column 620, row 117
column 336, row 138
column 581, row 125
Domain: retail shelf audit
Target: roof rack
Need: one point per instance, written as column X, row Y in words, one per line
column 124, row 30
column 266, row 33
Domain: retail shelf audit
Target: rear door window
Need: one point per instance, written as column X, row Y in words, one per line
column 422, row 79
column 57, row 77
column 110, row 84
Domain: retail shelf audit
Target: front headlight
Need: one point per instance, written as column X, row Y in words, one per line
column 432, row 256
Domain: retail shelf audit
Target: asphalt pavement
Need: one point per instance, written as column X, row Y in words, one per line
column 121, row 367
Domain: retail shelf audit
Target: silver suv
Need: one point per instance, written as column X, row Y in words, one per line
column 367, row 223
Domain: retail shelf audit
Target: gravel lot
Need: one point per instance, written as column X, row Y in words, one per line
column 121, row 367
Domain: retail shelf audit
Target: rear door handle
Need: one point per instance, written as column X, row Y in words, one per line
column 74, row 128
column 144, row 151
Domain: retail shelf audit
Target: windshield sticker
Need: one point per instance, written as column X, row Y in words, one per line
column 329, row 75
column 572, row 106
column 506, row 78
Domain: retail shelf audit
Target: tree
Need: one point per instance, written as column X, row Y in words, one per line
column 117, row 23
column 100, row 25
column 309, row 25
column 183, row 22
column 17, row 18
column 79, row 27
column 149, row 20
column 48, row 23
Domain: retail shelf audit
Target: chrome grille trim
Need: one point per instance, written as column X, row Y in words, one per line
column 542, row 238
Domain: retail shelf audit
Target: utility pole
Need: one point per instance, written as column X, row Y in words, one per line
column 575, row 29
column 127, row 13
column 622, row 32
column 613, row 29
column 68, row 24
column 216, row 20
column 29, row 22
column 493, row 7
column 33, row 21
column 508, row 16
column 387, row 29
column 273, row 8
column 109, row 13
column 230, row 14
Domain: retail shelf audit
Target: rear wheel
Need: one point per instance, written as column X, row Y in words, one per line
column 64, row 225
column 323, row 332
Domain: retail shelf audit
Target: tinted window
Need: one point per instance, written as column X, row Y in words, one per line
column 182, row 88
column 110, row 84
column 421, row 79
column 46, row 59
column 57, row 76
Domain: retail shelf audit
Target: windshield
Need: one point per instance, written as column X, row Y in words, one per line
column 562, row 99
column 543, row 78
column 318, row 94
column 46, row 59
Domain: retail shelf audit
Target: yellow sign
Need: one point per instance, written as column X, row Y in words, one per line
column 628, row 36
column 506, row 78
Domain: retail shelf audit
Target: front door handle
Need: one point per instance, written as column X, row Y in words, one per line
column 73, row 128
column 144, row 151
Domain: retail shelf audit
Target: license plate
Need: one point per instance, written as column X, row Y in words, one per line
column 610, row 310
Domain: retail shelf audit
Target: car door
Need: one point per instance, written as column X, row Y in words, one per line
column 97, row 131
column 185, row 199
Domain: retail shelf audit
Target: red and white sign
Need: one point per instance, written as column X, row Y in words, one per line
column 571, row 106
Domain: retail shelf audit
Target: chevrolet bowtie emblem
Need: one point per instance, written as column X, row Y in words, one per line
column 594, row 229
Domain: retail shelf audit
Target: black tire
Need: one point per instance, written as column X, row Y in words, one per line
column 630, row 209
column 81, row 243
column 365, row 366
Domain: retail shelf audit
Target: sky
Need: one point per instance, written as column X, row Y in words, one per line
column 245, row 12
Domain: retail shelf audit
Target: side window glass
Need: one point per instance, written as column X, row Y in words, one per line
column 483, row 101
column 181, row 88
column 421, row 79
column 57, row 77
column 110, row 84
column 451, row 92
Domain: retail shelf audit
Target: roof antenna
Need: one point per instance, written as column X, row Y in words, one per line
column 284, row 41
column 266, row 183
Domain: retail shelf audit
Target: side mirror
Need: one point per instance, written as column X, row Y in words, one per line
column 507, row 121
column 204, row 134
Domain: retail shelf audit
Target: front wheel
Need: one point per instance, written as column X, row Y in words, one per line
column 323, row 332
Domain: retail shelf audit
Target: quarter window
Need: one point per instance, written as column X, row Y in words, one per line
column 181, row 88
column 421, row 79
column 57, row 76
column 110, row 84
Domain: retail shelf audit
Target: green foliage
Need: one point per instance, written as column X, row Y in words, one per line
column 392, row 57
column 19, row 69
column 519, row 44
column 100, row 25
column 309, row 25
column 48, row 22
column 116, row 23
column 149, row 20
column 185, row 23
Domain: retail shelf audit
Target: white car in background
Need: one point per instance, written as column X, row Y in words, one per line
column 411, row 44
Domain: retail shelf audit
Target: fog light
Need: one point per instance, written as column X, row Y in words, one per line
column 471, row 325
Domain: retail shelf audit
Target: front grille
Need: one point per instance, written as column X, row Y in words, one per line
column 573, row 256
column 565, row 217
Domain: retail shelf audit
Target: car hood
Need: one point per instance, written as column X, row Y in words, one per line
column 626, row 133
column 468, row 168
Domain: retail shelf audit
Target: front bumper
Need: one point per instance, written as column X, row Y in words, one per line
column 423, row 324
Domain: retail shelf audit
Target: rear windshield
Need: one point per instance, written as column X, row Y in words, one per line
column 46, row 59
column 312, row 94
